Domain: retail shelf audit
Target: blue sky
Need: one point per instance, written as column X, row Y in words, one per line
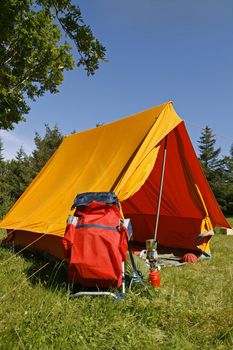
column 157, row 51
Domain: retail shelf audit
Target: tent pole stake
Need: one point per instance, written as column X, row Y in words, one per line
column 161, row 187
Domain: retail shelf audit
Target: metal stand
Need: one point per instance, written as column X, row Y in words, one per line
column 116, row 296
column 94, row 294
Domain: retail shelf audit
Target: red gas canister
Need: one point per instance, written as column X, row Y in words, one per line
column 155, row 278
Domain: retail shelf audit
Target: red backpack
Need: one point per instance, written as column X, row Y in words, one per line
column 97, row 243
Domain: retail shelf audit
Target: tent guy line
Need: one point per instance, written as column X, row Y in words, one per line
column 19, row 286
column 199, row 127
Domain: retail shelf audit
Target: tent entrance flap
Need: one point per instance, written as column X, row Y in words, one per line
column 181, row 212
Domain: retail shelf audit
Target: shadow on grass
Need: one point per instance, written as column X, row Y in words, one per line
column 50, row 273
column 44, row 269
column 47, row 271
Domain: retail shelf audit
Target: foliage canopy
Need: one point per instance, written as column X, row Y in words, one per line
column 36, row 38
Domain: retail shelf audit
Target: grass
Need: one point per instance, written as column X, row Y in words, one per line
column 230, row 220
column 193, row 309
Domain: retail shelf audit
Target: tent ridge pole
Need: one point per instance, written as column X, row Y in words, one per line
column 161, row 188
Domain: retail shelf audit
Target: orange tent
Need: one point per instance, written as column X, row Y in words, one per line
column 130, row 157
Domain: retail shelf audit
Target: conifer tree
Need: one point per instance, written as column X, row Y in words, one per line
column 213, row 167
column 18, row 174
column 228, row 190
column 45, row 147
column 208, row 153
column 5, row 200
column 229, row 164
column 1, row 152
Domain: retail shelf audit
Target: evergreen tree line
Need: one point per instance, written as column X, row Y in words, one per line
column 217, row 169
column 16, row 174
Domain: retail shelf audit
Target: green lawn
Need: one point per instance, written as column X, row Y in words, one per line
column 230, row 220
column 193, row 309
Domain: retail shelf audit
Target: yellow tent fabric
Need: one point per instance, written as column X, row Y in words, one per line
column 118, row 156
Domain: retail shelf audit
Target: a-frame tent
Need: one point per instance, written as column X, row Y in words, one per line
column 130, row 157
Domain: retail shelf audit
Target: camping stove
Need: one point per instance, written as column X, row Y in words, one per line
column 152, row 258
column 151, row 251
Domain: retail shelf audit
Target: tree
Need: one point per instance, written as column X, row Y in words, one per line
column 33, row 54
column 5, row 199
column 3, row 196
column 213, row 167
column 208, row 154
column 17, row 175
column 45, row 147
column 229, row 164
column 219, row 172
column 1, row 154
column 228, row 190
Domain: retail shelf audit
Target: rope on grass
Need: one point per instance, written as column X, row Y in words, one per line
column 21, row 250
column 18, row 287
